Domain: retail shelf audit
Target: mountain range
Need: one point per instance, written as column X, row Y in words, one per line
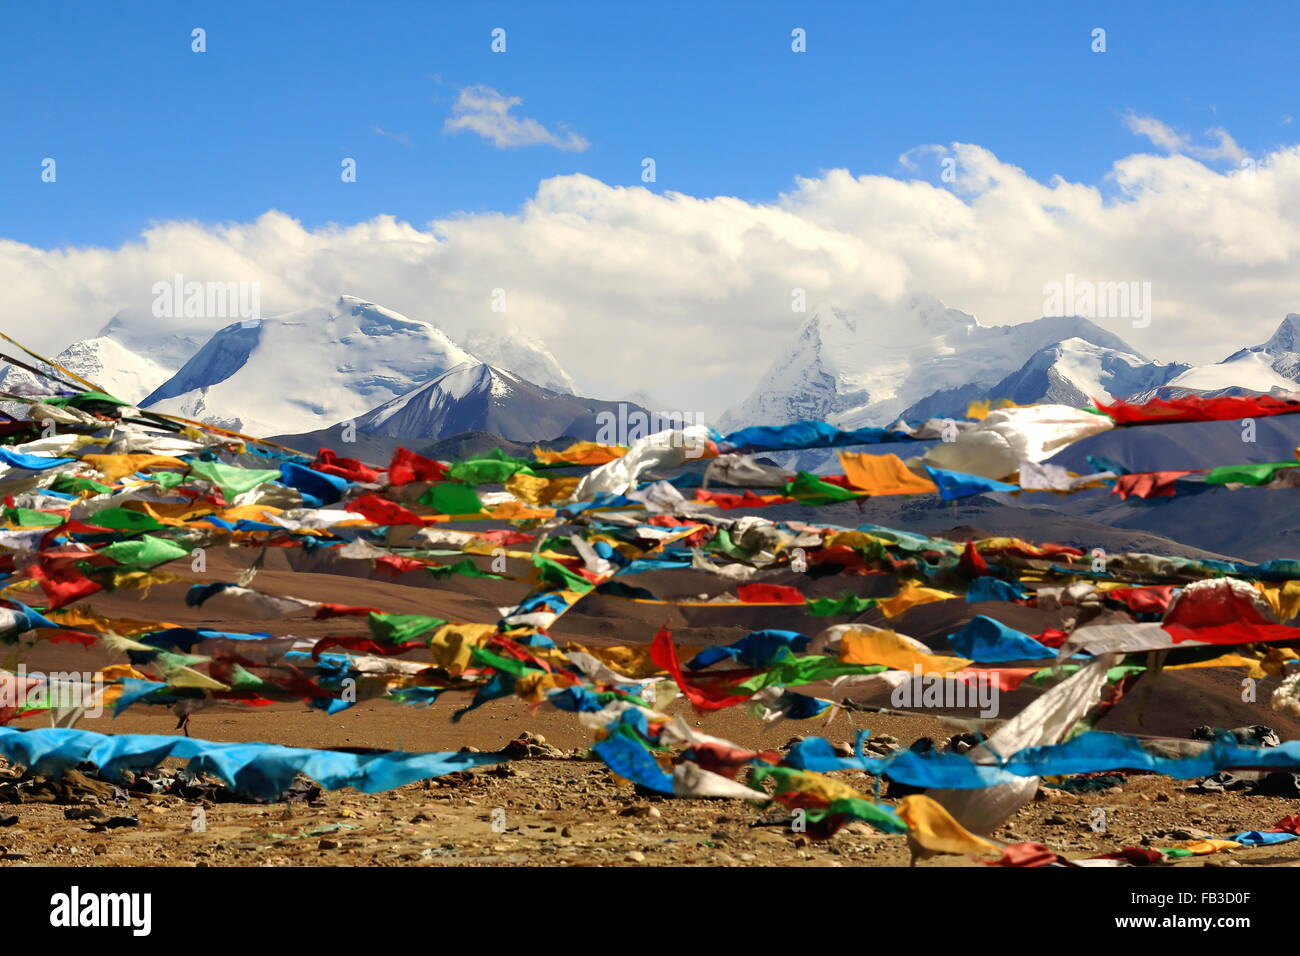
column 353, row 361
column 924, row 360
column 311, row 369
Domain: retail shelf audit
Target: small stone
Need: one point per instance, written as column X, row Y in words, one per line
column 113, row 823
column 1190, row 833
column 636, row 856
column 327, row 844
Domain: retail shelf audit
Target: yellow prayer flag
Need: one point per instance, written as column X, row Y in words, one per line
column 933, row 828
column 537, row 490
column 909, row 595
column 891, row 650
column 113, row 467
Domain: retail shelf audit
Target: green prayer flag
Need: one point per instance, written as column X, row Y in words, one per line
column 844, row 604
column 400, row 628
column 71, row 485
column 808, row 489
column 554, row 573
column 452, row 498
column 487, row 471
column 124, row 519
column 31, row 518
column 1258, row 474
column 145, row 551
column 231, row 479
column 804, row 670
column 465, row 567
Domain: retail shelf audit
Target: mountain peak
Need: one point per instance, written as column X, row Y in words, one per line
column 1287, row 336
column 473, row 396
column 865, row 367
column 508, row 347
column 313, row 367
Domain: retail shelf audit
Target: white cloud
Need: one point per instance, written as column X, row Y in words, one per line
column 395, row 137
column 1171, row 141
column 485, row 111
column 689, row 297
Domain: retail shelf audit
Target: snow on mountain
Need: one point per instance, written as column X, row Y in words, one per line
column 1075, row 371
column 1244, row 370
column 645, row 400
column 1273, row 367
column 477, row 397
column 525, row 355
column 128, row 358
column 103, row 360
column 867, row 368
column 1282, row 349
column 307, row 369
column 169, row 341
column 1259, row 368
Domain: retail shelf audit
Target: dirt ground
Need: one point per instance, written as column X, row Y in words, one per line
column 571, row 810
column 565, row 811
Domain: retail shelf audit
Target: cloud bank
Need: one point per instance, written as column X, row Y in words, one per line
column 690, row 297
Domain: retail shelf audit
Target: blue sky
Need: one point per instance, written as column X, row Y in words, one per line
column 144, row 130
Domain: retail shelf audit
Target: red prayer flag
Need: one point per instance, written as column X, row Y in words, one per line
column 769, row 594
column 407, row 466
column 382, row 511
column 329, row 463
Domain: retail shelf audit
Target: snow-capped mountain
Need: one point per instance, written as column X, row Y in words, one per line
column 477, row 397
column 867, row 368
column 103, row 360
column 129, row 357
column 307, row 369
column 1073, row 371
column 645, row 400
column 1246, row 370
column 167, row 342
column 525, row 355
column 1282, row 350
column 1271, row 367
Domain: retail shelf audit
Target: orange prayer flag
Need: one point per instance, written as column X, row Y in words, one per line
column 883, row 475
